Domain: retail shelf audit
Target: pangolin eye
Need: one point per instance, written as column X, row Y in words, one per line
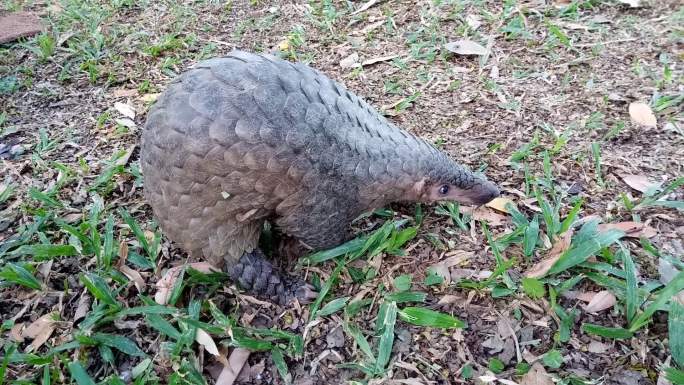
column 444, row 189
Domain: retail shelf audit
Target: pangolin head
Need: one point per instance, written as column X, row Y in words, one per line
column 442, row 179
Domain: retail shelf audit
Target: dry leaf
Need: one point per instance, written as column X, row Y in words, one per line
column 83, row 306
column 350, row 61
column 640, row 183
column 378, row 60
column 236, row 362
column 500, row 203
column 543, row 266
column 631, row 229
column 536, row 376
column 125, row 110
column 166, row 283
column 442, row 268
column 123, row 92
column 149, row 97
column 473, row 21
column 15, row 332
column 125, row 122
column 134, row 276
column 642, row 114
column 365, row 6
column 631, row 3
column 490, row 216
column 203, row 338
column 602, row 300
column 585, row 296
column 40, row 330
column 450, row 298
column 597, row 347
column 466, row 47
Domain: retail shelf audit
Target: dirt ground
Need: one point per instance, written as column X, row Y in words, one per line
column 558, row 76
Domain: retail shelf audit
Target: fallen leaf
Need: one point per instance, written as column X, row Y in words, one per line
column 134, row 276
column 284, row 45
column 489, row 216
column 125, row 110
column 642, row 114
column 125, row 122
column 442, row 268
column 449, row 299
column 640, row 183
column 631, row 229
column 602, row 300
column 83, row 306
column 235, row 363
column 124, row 92
column 39, row 331
column 365, row 6
column 597, row 347
column 500, row 204
column 149, row 97
column 203, row 338
column 166, row 283
column 473, row 21
column 15, row 332
column 350, row 61
column 542, row 267
column 536, row 376
column 123, row 160
column 378, row 60
column 631, row 3
column 466, row 47
column 585, row 296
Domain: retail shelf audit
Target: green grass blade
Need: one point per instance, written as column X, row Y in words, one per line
column 570, row 219
column 631, row 294
column 137, row 231
column 108, row 252
column 351, row 247
column 324, row 291
column 98, row 288
column 279, row 362
column 672, row 288
column 333, row 306
column 675, row 376
column 354, row 331
column 615, row 333
column 531, row 236
column 425, row 317
column 17, row 274
column 79, row 374
column 163, row 326
column 407, row 296
column 675, row 326
column 387, row 337
column 42, row 252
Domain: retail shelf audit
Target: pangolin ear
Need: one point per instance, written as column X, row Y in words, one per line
column 419, row 188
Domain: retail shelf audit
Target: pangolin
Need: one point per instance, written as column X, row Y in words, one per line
column 246, row 138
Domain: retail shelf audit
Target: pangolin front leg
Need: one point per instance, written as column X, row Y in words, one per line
column 254, row 273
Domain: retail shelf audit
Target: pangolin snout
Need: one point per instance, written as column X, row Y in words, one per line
column 484, row 192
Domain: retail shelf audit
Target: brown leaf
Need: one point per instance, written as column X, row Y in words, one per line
column 166, row 283
column 450, row 298
column 150, row 97
column 642, row 114
column 134, row 276
column 236, row 362
column 83, row 306
column 640, row 183
column 203, row 338
column 15, row 332
column 543, row 266
column 489, row 216
column 631, row 229
column 500, row 203
column 466, row 47
column 442, row 267
column 536, row 376
column 585, row 296
column 123, row 92
column 602, row 300
column 40, row 330
column 125, row 110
